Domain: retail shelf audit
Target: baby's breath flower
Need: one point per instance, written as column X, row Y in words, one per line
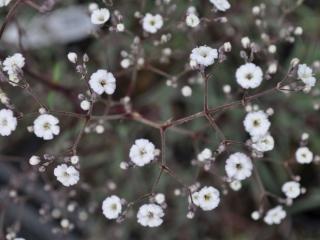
column 305, row 74
column 72, row 57
column 186, row 91
column 209, row 198
column 221, row 5
column 205, row 155
column 46, row 126
column 192, row 20
column 34, row 160
column 102, row 81
column 256, row 123
column 112, row 207
column 204, row 55
column 8, row 122
column 150, row 215
column 275, row 215
column 68, row 176
column 249, row 76
column 152, row 23
column 291, row 189
column 264, row 143
column 238, row 166
column 304, row 155
column 4, row 3
column 142, row 152
column 100, row 16
column 85, row 105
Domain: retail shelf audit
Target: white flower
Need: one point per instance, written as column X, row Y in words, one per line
column 256, row 123
column 221, row 5
column 235, row 185
column 275, row 215
column 264, row 143
column 102, row 81
column 205, row 155
column 152, row 23
column 13, row 64
column 160, row 198
column 142, row 152
column 150, row 215
column 204, row 55
column 34, row 160
column 46, row 126
column 291, row 189
column 85, row 105
column 209, row 198
column 68, row 176
column 111, row 207
column 305, row 74
column 4, row 3
column 8, row 122
column 249, row 76
column 304, row 155
column 255, row 215
column 186, row 91
column 72, row 57
column 100, row 16
column 192, row 20
column 238, row 166
column 195, row 198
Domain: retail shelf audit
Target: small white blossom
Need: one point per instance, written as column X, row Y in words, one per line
column 72, row 57
column 85, row 105
column 291, row 189
column 255, row 215
column 209, row 198
column 111, row 207
column 235, row 185
column 125, row 63
column 150, row 215
column 205, row 155
column 275, row 215
column 304, row 155
column 227, row 47
column 160, row 198
column 120, row 27
column 256, row 123
column 142, row 152
column 221, row 5
column 34, row 160
column 249, row 76
column 192, row 20
column 99, row 129
column 13, row 64
column 92, row 7
column 4, row 3
column 298, row 31
column 68, row 176
column 245, row 42
column 263, row 144
column 103, row 81
column 152, row 23
column 186, row 91
column 238, row 166
column 46, row 126
column 195, row 198
column 100, row 16
column 305, row 74
column 74, row 159
column 8, row 122
column 204, row 55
